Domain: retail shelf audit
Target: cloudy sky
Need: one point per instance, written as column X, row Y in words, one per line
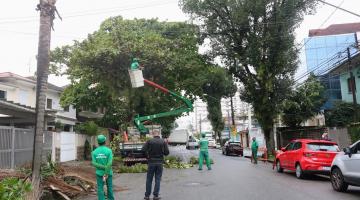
column 19, row 24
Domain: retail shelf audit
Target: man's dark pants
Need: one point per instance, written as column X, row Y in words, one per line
column 153, row 169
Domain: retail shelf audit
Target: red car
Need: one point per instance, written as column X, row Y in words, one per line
column 305, row 156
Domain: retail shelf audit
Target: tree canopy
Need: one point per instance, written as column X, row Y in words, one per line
column 342, row 114
column 97, row 68
column 218, row 84
column 256, row 40
column 303, row 103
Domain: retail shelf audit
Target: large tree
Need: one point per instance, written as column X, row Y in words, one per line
column 98, row 68
column 256, row 40
column 217, row 84
column 304, row 102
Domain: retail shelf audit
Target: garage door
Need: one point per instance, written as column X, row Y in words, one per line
column 68, row 147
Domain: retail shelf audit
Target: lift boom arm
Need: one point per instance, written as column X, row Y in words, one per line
column 138, row 121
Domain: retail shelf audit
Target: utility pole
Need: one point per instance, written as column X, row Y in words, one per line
column 352, row 85
column 352, row 78
column 47, row 14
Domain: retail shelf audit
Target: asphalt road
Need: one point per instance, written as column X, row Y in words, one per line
column 232, row 178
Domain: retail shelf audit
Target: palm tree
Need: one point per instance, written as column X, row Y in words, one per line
column 47, row 12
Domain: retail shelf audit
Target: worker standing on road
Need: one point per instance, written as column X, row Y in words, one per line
column 102, row 158
column 155, row 149
column 254, row 150
column 204, row 152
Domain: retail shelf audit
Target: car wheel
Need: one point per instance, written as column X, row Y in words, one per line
column 278, row 167
column 299, row 172
column 226, row 152
column 337, row 180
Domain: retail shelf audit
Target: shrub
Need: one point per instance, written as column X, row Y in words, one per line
column 89, row 128
column 14, row 189
column 354, row 132
column 137, row 168
column 174, row 162
column 49, row 168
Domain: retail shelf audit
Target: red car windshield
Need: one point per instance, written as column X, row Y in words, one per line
column 322, row 147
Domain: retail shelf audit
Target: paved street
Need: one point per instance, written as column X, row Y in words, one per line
column 232, row 178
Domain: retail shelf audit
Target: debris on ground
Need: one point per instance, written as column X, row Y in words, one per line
column 5, row 173
column 71, row 180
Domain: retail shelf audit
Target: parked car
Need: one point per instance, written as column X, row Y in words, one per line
column 233, row 148
column 345, row 169
column 305, row 156
column 212, row 143
column 192, row 143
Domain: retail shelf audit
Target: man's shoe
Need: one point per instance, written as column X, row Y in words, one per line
column 199, row 169
column 156, row 198
column 209, row 168
column 146, row 198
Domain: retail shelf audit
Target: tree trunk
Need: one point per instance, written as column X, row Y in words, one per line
column 270, row 144
column 46, row 17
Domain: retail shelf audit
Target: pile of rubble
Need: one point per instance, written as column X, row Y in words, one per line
column 71, row 180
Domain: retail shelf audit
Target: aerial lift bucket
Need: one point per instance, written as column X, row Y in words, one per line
column 136, row 77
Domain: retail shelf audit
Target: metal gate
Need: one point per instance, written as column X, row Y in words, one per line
column 16, row 146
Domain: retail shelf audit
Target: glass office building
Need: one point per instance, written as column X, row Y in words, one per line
column 322, row 54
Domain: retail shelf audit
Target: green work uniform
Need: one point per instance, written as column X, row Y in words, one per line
column 102, row 159
column 204, row 153
column 254, row 150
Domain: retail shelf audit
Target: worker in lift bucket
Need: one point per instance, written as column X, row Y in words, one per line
column 204, row 152
column 135, row 64
column 102, row 158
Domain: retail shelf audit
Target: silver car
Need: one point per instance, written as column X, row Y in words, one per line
column 345, row 169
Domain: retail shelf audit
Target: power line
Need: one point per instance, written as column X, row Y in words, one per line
column 334, row 57
column 36, row 34
column 326, row 20
column 91, row 12
column 338, row 7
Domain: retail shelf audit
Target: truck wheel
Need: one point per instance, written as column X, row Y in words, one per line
column 337, row 180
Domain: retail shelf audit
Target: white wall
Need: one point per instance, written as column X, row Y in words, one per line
column 23, row 93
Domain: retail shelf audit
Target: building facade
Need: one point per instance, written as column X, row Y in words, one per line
column 325, row 49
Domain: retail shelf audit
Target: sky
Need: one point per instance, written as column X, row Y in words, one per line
column 19, row 24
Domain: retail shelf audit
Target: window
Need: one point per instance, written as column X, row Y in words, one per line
column 23, row 97
column 323, row 147
column 49, row 103
column 297, row 146
column 2, row 94
column 66, row 108
column 290, row 146
column 356, row 149
column 349, row 80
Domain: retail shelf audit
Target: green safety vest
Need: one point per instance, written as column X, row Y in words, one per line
column 204, row 144
column 102, row 158
column 254, row 145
